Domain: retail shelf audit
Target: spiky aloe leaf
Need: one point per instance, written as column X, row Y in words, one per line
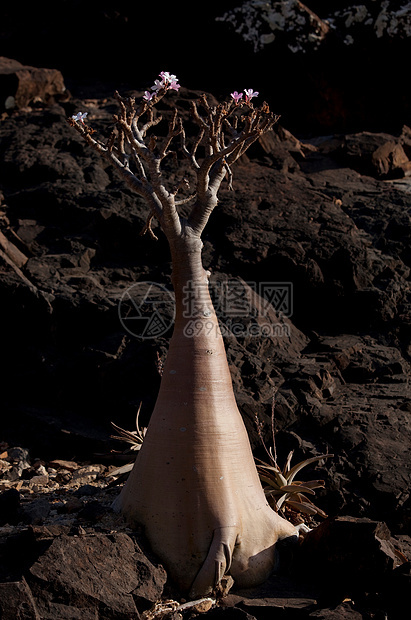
column 273, row 503
column 122, row 470
column 307, row 500
column 140, row 432
column 296, row 488
column 273, row 473
column 131, row 437
column 273, row 492
column 269, row 480
column 294, row 470
column 280, row 501
column 311, row 484
column 302, row 500
column 287, row 465
column 135, row 438
column 303, row 507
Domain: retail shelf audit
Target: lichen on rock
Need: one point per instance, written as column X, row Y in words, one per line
column 260, row 22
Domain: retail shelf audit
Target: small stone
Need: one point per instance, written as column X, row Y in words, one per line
column 41, row 470
column 87, row 490
column 39, row 481
column 67, row 465
column 87, row 474
column 92, row 512
column 74, row 504
column 204, row 606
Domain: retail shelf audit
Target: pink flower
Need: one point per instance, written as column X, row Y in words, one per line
column 79, row 117
column 237, row 96
column 168, row 80
column 249, row 94
column 157, row 86
column 168, row 77
column 148, row 96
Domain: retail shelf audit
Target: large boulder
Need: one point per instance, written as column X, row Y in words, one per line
column 51, row 574
column 21, row 85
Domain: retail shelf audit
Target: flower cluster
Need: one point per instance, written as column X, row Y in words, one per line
column 80, row 117
column 249, row 94
column 168, row 80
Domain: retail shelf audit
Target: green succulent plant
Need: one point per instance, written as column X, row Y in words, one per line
column 134, row 438
column 282, row 489
column 280, row 486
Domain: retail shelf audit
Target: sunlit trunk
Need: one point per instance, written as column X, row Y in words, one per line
column 194, row 487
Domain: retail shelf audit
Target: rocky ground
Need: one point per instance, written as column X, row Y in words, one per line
column 330, row 215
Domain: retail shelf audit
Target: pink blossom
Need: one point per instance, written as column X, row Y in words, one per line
column 237, row 96
column 168, row 77
column 148, row 96
column 249, row 94
column 157, row 86
column 79, row 117
column 168, row 80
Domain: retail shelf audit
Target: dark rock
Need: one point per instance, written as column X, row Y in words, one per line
column 19, row 456
column 36, row 511
column 9, row 506
column 17, row 602
column 294, row 22
column 74, row 504
column 391, row 161
column 86, row 490
column 18, row 549
column 348, row 555
column 334, row 54
column 93, row 511
column 21, row 85
column 340, row 612
column 228, row 613
column 102, row 574
column 393, row 596
column 280, row 594
column 376, row 154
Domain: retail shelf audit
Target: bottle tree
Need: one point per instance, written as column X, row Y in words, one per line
column 194, row 486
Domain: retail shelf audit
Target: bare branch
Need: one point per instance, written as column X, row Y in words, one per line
column 175, row 127
column 225, row 132
column 151, row 123
column 185, row 201
column 110, row 153
column 217, row 163
column 191, row 155
column 183, row 183
column 147, row 228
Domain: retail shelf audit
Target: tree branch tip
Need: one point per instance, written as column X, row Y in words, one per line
column 147, row 228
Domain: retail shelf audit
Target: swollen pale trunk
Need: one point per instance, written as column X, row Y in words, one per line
column 194, row 487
